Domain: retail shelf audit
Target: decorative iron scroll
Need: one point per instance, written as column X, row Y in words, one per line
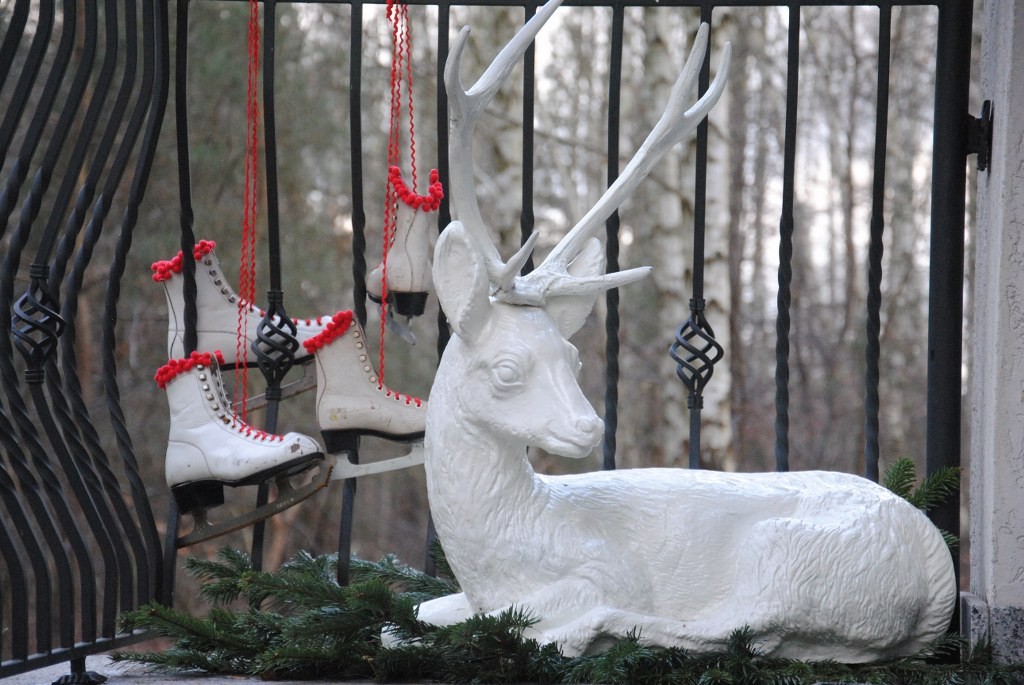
column 695, row 352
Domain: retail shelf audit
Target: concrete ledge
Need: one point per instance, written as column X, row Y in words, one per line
column 1003, row 627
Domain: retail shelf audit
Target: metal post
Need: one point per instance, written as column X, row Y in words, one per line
column 945, row 294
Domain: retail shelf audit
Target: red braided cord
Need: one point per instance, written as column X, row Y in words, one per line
column 247, row 254
column 401, row 71
column 407, row 49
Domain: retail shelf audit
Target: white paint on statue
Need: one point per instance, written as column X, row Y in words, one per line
column 820, row 565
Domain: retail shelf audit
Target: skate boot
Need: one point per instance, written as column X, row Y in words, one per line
column 209, row 447
column 217, row 307
column 350, row 399
column 407, row 266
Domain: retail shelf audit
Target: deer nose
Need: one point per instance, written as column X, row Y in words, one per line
column 590, row 426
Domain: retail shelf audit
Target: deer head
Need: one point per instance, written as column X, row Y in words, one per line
column 520, row 321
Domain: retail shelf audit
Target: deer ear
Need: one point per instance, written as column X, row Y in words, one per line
column 570, row 311
column 461, row 282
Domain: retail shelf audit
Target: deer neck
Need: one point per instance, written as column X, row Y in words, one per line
column 473, row 473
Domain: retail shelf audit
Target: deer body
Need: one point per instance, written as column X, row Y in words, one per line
column 820, row 565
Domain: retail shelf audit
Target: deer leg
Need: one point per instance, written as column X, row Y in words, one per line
column 445, row 611
column 599, row 628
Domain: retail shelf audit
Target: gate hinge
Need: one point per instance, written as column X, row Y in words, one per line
column 979, row 136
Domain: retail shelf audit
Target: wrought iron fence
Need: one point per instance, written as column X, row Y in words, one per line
column 84, row 88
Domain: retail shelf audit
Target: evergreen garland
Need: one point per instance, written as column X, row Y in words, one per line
column 298, row 623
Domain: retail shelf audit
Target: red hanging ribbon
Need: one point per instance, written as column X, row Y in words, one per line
column 401, row 71
column 247, row 253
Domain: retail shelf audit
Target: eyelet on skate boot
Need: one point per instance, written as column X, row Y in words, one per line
column 209, row 447
column 351, row 402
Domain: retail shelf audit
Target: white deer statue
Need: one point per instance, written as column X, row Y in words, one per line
column 819, row 565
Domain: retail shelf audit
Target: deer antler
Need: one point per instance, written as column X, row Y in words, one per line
column 465, row 107
column 552, row 277
column 673, row 126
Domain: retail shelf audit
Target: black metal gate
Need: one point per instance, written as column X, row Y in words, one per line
column 83, row 87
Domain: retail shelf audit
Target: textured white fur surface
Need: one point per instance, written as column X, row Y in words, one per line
column 820, row 565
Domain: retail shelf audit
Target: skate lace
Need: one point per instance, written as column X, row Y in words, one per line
column 165, row 269
column 245, row 304
column 240, row 425
column 176, row 367
column 254, row 433
column 399, row 396
column 335, row 328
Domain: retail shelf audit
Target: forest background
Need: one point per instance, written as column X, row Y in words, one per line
column 834, row 173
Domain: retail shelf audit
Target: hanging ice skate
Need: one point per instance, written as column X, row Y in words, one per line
column 210, row 447
column 211, row 444
column 401, row 282
column 351, row 398
column 402, row 279
column 218, row 308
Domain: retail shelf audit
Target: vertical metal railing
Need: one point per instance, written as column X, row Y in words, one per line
column 78, row 536
column 786, row 228
column 946, row 272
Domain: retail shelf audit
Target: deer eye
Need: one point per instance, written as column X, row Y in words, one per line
column 507, row 374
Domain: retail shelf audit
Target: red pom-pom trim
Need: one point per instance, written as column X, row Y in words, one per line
column 175, row 367
column 164, row 269
column 429, row 202
column 336, row 328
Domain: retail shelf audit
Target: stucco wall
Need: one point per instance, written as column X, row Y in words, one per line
column 997, row 392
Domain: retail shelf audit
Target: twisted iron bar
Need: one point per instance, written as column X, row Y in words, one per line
column 155, row 70
column 695, row 352
column 28, row 454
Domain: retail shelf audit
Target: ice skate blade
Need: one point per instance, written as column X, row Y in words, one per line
column 337, row 441
column 298, row 386
column 207, row 493
column 402, row 330
column 287, row 497
column 344, row 469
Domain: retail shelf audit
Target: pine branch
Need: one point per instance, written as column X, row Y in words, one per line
column 293, row 589
column 936, row 488
column 440, row 560
column 225, row 579
column 324, row 567
column 177, row 660
column 900, row 477
column 933, row 490
column 215, row 631
column 402, row 578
